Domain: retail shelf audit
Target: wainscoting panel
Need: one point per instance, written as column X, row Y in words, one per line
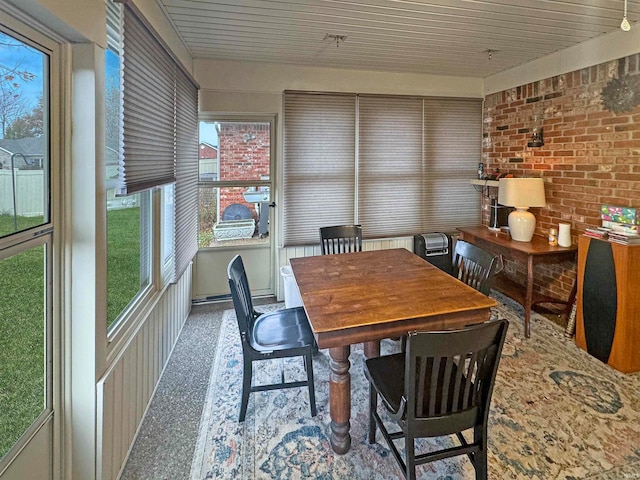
column 125, row 391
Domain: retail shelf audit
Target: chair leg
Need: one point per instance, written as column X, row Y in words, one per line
column 480, row 457
column 308, row 363
column 410, row 457
column 246, row 387
column 373, row 404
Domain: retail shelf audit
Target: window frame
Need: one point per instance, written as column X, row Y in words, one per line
column 42, row 235
column 243, row 118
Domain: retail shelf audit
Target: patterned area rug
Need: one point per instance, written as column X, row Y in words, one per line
column 557, row 413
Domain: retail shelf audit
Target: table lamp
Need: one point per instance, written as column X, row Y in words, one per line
column 521, row 193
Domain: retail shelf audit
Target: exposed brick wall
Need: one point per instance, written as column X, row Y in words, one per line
column 591, row 156
column 244, row 155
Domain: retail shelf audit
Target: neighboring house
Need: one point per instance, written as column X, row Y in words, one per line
column 27, row 153
column 208, row 157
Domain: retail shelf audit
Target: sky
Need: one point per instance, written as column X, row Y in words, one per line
column 14, row 53
column 208, row 133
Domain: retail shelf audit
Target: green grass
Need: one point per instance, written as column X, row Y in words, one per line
column 22, row 340
column 123, row 260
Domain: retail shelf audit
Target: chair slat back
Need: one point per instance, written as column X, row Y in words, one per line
column 474, row 266
column 240, row 293
column 341, row 239
column 452, row 372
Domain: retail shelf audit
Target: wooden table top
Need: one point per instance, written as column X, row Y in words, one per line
column 538, row 245
column 362, row 296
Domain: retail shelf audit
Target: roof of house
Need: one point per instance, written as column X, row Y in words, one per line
column 26, row 146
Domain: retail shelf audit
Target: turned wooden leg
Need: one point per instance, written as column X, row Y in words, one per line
column 340, row 399
column 372, row 349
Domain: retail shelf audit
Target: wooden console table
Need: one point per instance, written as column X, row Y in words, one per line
column 536, row 251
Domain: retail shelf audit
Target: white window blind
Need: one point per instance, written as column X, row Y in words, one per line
column 409, row 174
column 452, row 144
column 319, row 164
column 389, row 166
column 148, row 75
column 186, row 190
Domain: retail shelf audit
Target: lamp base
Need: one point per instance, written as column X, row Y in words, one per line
column 521, row 225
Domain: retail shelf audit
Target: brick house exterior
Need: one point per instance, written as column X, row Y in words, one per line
column 245, row 150
column 590, row 155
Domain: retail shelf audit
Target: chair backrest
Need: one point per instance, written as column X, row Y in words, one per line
column 241, row 294
column 449, row 376
column 475, row 266
column 341, row 239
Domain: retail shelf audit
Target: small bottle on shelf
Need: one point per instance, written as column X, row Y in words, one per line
column 480, row 170
column 553, row 236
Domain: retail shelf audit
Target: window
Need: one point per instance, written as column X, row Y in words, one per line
column 26, row 235
column 235, row 183
column 397, row 165
column 128, row 217
column 152, row 144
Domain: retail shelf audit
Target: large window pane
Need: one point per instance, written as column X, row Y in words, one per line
column 24, row 155
column 23, row 374
column 128, row 250
column 235, row 183
column 233, row 216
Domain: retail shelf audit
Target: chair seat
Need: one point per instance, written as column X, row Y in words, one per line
column 387, row 376
column 281, row 330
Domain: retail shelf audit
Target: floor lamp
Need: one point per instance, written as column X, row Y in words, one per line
column 521, row 193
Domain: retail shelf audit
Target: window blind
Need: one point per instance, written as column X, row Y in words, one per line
column 409, row 173
column 389, row 166
column 186, row 189
column 319, row 164
column 453, row 149
column 148, row 76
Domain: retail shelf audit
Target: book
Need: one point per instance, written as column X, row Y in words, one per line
column 612, row 213
column 625, row 239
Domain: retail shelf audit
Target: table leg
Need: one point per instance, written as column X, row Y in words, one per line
column 372, row 349
column 340, row 399
column 528, row 298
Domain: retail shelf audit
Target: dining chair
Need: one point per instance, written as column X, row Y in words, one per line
column 441, row 386
column 265, row 336
column 475, row 266
column 341, row 239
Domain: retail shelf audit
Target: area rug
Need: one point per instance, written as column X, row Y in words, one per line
column 557, row 413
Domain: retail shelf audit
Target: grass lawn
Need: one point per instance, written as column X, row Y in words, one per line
column 22, row 340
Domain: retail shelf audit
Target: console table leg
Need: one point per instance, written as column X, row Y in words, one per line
column 340, row 399
column 528, row 298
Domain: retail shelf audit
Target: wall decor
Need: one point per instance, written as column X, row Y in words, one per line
column 621, row 94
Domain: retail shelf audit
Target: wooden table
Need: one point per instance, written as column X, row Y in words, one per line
column 536, row 251
column 367, row 296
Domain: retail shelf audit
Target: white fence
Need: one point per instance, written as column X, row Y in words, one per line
column 29, row 191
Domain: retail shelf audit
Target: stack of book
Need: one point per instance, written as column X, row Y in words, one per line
column 620, row 225
column 596, row 232
column 624, row 238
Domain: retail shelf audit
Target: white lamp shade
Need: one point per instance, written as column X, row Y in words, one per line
column 521, row 193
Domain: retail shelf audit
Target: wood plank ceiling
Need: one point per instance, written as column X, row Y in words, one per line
column 441, row 37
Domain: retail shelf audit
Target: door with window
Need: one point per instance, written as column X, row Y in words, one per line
column 235, row 204
column 28, row 351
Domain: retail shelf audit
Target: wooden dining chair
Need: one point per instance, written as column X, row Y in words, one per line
column 440, row 386
column 341, row 239
column 279, row 334
column 475, row 266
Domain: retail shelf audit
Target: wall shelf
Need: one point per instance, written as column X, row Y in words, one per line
column 484, row 183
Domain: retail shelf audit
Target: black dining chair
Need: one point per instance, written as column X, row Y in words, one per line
column 341, row 239
column 265, row 336
column 475, row 266
column 440, row 386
